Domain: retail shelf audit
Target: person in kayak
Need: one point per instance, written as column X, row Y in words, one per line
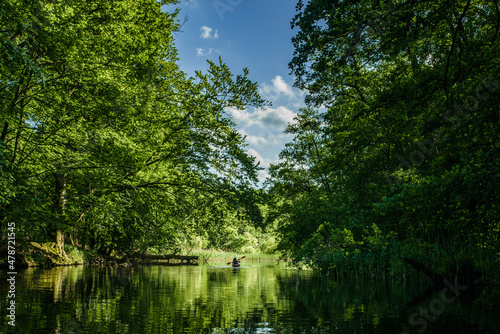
column 236, row 263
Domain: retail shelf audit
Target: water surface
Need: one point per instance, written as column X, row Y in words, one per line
column 261, row 297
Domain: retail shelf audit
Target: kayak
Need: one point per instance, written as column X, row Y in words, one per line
column 236, row 262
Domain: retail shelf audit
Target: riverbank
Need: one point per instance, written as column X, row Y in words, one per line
column 33, row 254
column 261, row 297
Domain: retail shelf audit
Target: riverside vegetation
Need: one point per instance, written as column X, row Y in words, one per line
column 108, row 148
column 394, row 167
column 107, row 145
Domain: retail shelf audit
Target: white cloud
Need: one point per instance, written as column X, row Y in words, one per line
column 257, row 156
column 274, row 118
column 279, row 87
column 256, row 140
column 206, row 32
column 265, row 138
column 282, row 87
column 263, row 129
column 204, row 52
column 262, row 174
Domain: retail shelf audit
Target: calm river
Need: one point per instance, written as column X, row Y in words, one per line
column 261, row 297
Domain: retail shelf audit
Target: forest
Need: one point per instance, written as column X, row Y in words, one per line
column 107, row 146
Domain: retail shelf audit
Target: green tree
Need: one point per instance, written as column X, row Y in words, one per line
column 411, row 120
column 114, row 141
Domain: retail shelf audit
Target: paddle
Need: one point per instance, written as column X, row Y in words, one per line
column 238, row 260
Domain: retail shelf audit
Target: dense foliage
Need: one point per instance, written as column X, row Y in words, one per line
column 105, row 142
column 398, row 153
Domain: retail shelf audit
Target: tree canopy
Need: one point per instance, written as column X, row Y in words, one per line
column 106, row 144
column 399, row 148
column 104, row 140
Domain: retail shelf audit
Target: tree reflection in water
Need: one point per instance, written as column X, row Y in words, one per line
column 260, row 298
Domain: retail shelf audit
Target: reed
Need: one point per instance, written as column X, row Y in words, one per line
column 381, row 262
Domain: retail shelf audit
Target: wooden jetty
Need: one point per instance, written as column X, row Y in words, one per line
column 184, row 259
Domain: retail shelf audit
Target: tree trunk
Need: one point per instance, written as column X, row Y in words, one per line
column 18, row 137
column 60, row 203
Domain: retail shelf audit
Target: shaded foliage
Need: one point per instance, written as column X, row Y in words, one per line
column 407, row 139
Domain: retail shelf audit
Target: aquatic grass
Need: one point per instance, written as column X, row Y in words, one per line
column 469, row 260
column 374, row 262
column 379, row 262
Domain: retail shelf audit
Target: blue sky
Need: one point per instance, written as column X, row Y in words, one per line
column 247, row 33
